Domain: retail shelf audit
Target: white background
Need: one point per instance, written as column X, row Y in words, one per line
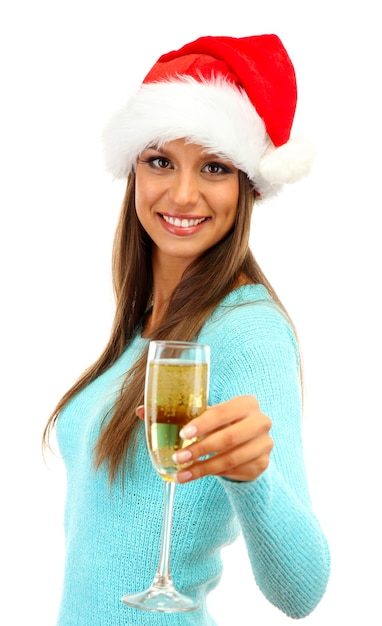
column 65, row 66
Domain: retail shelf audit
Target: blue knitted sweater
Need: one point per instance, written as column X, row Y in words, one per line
column 113, row 535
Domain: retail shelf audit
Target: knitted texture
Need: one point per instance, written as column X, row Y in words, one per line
column 113, row 535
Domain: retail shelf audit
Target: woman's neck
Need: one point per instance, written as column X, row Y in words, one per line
column 159, row 302
column 163, row 287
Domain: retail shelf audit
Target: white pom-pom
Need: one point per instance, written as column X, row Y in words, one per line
column 288, row 163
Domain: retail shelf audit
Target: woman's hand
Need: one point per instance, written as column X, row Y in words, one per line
column 234, row 435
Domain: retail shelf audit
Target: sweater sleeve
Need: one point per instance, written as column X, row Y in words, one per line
column 287, row 548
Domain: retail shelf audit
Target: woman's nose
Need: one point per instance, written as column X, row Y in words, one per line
column 184, row 189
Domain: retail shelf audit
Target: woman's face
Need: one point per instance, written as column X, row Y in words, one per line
column 186, row 199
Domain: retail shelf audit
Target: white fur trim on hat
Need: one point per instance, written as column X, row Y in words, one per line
column 215, row 115
column 288, row 163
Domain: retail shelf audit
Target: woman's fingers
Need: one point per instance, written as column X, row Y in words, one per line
column 244, row 462
column 219, row 415
column 233, row 441
column 140, row 412
column 234, row 436
column 227, row 438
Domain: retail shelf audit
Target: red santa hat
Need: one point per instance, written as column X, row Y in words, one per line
column 235, row 96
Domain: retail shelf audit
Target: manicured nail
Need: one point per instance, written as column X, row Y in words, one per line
column 183, row 477
column 181, row 456
column 188, row 432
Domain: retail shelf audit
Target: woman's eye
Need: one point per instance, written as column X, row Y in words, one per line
column 215, row 168
column 160, row 162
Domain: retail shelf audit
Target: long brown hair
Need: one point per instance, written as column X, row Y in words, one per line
column 190, row 305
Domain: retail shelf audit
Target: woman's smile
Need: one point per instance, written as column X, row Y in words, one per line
column 180, row 225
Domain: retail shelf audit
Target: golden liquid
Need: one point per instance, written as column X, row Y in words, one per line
column 177, row 392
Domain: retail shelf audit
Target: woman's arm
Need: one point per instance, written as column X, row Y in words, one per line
column 259, row 373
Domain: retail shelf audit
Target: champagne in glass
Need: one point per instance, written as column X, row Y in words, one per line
column 176, row 391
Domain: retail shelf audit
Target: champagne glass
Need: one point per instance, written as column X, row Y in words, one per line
column 176, row 390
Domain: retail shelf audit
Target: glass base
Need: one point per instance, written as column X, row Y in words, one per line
column 164, row 598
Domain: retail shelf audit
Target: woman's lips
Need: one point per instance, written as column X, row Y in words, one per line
column 183, row 222
column 182, row 225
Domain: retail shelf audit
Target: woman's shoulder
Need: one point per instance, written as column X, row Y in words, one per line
column 248, row 303
column 246, row 294
column 248, row 314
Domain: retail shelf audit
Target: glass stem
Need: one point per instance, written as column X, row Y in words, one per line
column 163, row 576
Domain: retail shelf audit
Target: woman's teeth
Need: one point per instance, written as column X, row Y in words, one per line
column 182, row 223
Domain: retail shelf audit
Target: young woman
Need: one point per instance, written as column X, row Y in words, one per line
column 206, row 136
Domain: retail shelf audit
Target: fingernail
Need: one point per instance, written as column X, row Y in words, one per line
column 188, row 432
column 181, row 456
column 183, row 477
